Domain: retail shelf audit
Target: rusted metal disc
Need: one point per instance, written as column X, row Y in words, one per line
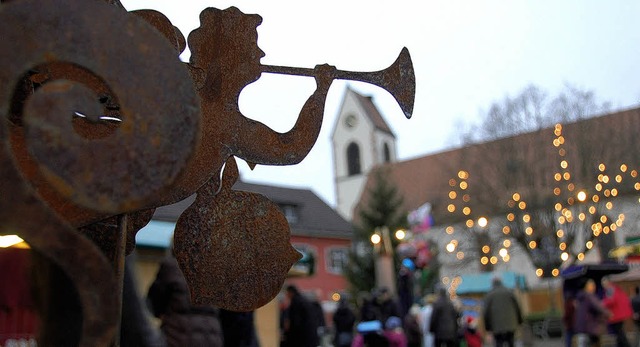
column 233, row 247
column 158, row 104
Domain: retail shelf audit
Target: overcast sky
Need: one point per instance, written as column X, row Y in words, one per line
column 466, row 54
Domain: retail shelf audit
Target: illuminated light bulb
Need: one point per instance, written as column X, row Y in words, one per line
column 516, row 197
column 511, row 217
column 566, row 176
column 560, row 233
column 451, row 247
column 589, row 244
column 607, row 192
column 613, row 227
column 570, row 201
column 582, row 216
column 506, row 229
column 452, row 182
column 564, row 164
column 623, row 168
column 503, row 252
column 532, row 244
column 400, row 234
column 526, row 218
column 486, row 249
column 605, row 179
column 452, row 195
column 522, row 205
column 7, row 241
column 601, row 167
column 556, row 191
column 618, row 178
column 582, row 196
column 557, row 176
column 463, row 185
column 469, row 223
column 558, row 207
column 506, row 258
column 581, row 256
column 634, row 173
column 636, row 186
column 595, row 198
column 561, row 220
column 598, row 187
column 621, row 216
column 375, row 239
column 494, row 260
column 614, row 192
column 555, row 272
column 539, row 272
column 562, row 246
column 528, row 231
column 564, row 256
column 600, row 177
column 603, row 219
column 571, row 187
column 556, row 143
column 462, row 175
column 506, row 243
column 484, row 260
column 561, row 139
column 460, row 255
column 482, row 222
column 449, row 230
column 451, row 208
column 609, row 205
column 466, row 211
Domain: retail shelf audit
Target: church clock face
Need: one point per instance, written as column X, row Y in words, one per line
column 351, row 121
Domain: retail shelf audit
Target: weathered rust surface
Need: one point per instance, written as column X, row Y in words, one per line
column 232, row 246
column 100, row 118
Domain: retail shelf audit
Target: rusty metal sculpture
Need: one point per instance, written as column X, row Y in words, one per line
column 103, row 123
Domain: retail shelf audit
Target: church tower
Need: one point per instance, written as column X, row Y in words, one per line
column 361, row 140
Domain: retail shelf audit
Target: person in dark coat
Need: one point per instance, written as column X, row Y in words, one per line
column 411, row 327
column 502, row 313
column 299, row 327
column 238, row 329
column 343, row 322
column 182, row 324
column 385, row 306
column 444, row 324
column 590, row 315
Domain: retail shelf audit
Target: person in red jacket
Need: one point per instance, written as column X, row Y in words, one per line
column 619, row 304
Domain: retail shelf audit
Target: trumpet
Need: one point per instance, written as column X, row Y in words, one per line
column 398, row 79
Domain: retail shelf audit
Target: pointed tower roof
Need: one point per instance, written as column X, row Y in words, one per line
column 369, row 109
column 372, row 112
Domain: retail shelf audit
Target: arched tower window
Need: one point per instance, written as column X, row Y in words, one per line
column 386, row 153
column 353, row 159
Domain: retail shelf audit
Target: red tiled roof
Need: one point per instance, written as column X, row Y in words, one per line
column 425, row 179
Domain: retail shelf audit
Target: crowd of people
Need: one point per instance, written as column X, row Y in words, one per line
column 377, row 319
column 591, row 313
